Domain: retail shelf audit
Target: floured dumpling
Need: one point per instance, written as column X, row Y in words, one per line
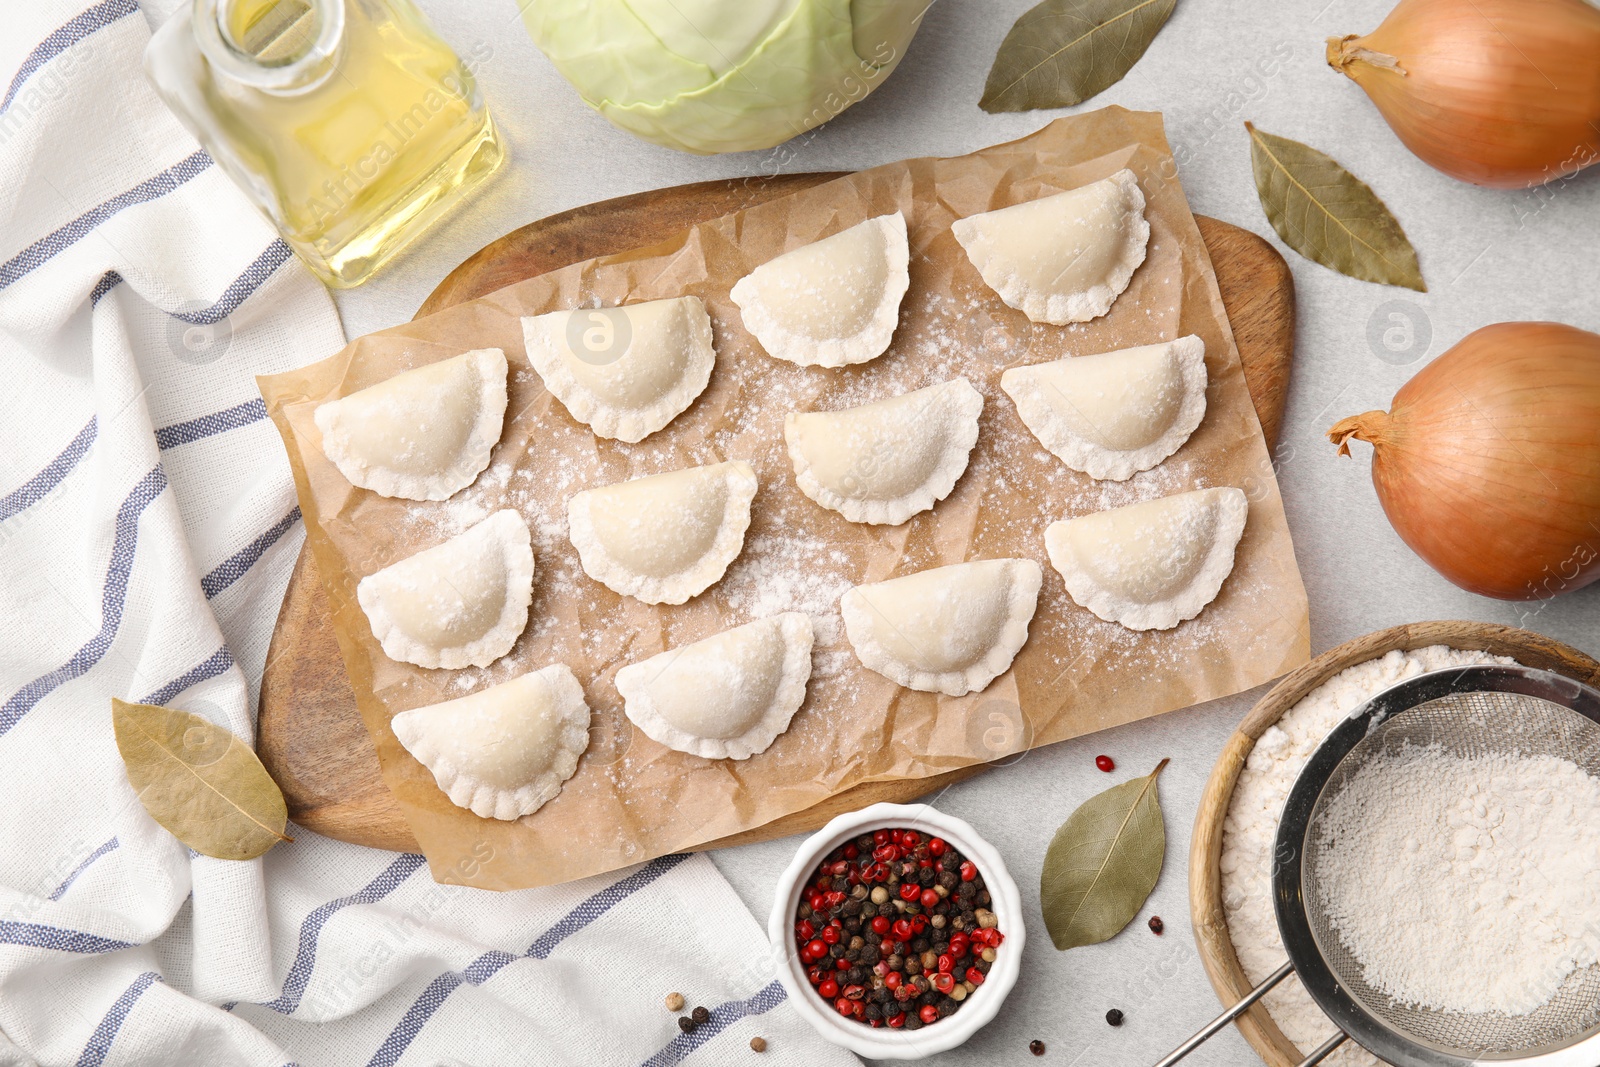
column 667, row 537
column 1062, row 258
column 1153, row 564
column 728, row 696
column 627, row 371
column 460, row 603
column 885, row 461
column 1117, row 413
column 950, row 630
column 833, row 302
column 505, row 751
column 423, row 434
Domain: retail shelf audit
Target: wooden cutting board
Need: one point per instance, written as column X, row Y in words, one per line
column 309, row 733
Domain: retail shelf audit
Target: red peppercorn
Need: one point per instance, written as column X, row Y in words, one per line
column 897, row 836
column 958, row 944
column 844, row 1007
column 839, row 868
column 828, row 989
column 1156, row 925
column 892, row 980
column 902, row 930
column 804, row 931
column 937, row 846
column 1105, row 763
column 911, row 839
column 816, row 975
column 929, row 1013
column 830, row 934
column 880, row 924
column 919, row 923
column 929, row 898
column 897, row 1021
column 944, row 982
column 841, row 964
column 880, row 837
column 851, row 852
column 880, row 968
column 947, row 963
column 975, row 976
column 910, row 891
column 924, row 863
column 854, row 992
column 886, row 853
column 969, row 871
column 817, row 947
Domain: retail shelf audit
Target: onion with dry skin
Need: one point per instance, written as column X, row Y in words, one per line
column 1488, row 461
column 1503, row 93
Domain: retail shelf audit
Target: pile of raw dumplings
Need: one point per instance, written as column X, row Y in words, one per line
column 426, row 434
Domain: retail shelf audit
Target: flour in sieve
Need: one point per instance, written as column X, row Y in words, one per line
column 1251, row 826
column 1465, row 884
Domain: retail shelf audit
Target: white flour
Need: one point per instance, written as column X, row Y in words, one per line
column 1252, row 823
column 1496, row 900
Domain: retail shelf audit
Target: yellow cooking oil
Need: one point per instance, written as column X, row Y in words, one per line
column 349, row 123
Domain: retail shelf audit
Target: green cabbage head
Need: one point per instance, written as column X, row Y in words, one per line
column 723, row 75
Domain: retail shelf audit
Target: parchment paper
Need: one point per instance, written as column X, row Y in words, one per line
column 631, row 798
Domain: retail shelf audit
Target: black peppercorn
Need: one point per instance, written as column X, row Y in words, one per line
column 836, row 951
column 686, row 1024
column 1036, row 1047
column 852, row 907
column 925, row 876
column 1114, row 1017
column 700, row 1015
column 873, row 1011
column 949, row 879
column 912, row 1022
column 919, row 945
column 947, row 1007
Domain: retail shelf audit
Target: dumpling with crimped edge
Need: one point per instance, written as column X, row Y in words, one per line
column 666, row 537
column 728, row 696
column 1065, row 257
column 833, row 302
column 950, row 630
column 1153, row 564
column 423, row 434
column 460, row 603
column 1114, row 414
column 624, row 372
column 886, row 461
column 503, row 752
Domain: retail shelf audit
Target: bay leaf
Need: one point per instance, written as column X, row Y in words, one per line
column 1328, row 214
column 1103, row 863
column 199, row 781
column 1063, row 52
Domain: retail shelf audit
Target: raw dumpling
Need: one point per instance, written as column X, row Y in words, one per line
column 1117, row 413
column 1153, row 564
column 460, row 603
column 626, row 371
column 728, row 696
column 666, row 537
column 423, row 434
column 949, row 630
column 1061, row 258
column 885, row 461
column 833, row 302
column 502, row 752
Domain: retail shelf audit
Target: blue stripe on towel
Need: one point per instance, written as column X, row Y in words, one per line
column 216, row 663
column 183, row 433
column 60, row 890
column 38, row 487
column 722, row 1016
column 239, row 290
column 68, row 34
column 57, row 939
column 489, row 964
column 94, row 1053
column 234, row 567
column 112, row 598
column 305, row 957
column 49, row 245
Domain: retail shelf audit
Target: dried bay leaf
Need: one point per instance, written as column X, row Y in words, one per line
column 1063, row 52
column 1103, row 863
column 199, row 781
column 1328, row 214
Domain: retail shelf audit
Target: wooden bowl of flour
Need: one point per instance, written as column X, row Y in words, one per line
column 1205, row 854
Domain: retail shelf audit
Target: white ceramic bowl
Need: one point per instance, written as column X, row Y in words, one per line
column 884, row 1043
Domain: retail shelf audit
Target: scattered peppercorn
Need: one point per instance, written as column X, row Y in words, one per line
column 1036, row 1047
column 700, row 1015
column 1105, row 763
column 686, row 1024
column 1114, row 1017
column 674, row 1001
column 758, row 1044
column 895, row 929
column 1156, row 925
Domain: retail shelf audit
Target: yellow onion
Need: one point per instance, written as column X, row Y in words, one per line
column 1503, row 93
column 1488, row 461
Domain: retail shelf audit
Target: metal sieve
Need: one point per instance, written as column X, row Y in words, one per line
column 1466, row 711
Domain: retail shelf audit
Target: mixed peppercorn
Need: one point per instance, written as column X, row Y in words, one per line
column 895, row 930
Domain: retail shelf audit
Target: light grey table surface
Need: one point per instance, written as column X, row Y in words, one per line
column 1487, row 255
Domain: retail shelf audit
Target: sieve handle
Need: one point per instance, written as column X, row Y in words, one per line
column 1233, row 1013
column 1325, row 1049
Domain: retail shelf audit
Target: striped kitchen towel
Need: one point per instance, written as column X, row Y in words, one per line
column 147, row 528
